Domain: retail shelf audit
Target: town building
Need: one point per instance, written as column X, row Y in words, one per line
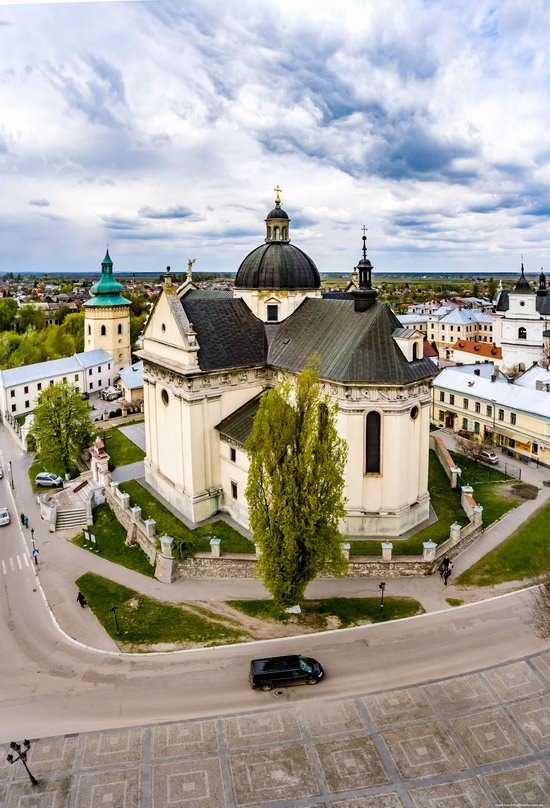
column 130, row 382
column 210, row 356
column 514, row 417
column 107, row 318
column 469, row 352
column 20, row 387
column 449, row 323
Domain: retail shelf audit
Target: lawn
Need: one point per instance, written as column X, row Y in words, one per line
column 110, row 537
column 52, row 466
column 454, row 601
column 474, row 473
column 520, row 556
column 496, row 502
column 317, row 613
column 121, row 450
column 169, row 525
column 145, row 621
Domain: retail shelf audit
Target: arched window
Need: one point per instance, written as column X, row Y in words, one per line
column 284, row 235
column 372, row 447
column 276, row 232
column 89, row 330
column 415, row 351
column 522, row 333
column 103, row 330
column 120, row 328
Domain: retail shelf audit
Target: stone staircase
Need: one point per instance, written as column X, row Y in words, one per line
column 71, row 518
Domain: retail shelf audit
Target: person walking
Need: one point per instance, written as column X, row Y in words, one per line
column 22, row 517
column 26, row 521
column 81, row 599
column 446, row 575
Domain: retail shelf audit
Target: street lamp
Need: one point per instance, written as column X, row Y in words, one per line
column 113, row 610
column 381, row 587
column 11, row 474
column 22, row 756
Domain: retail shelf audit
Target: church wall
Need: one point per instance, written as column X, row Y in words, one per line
column 234, row 472
column 288, row 301
column 117, row 345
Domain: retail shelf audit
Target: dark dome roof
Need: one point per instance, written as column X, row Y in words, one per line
column 522, row 286
column 277, row 213
column 277, row 265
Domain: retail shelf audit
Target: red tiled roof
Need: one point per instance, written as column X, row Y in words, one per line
column 485, row 349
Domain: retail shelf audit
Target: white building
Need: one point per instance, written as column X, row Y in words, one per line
column 90, row 371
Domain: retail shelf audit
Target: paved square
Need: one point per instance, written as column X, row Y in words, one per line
column 188, row 784
column 525, row 784
column 5, row 767
column 490, row 737
column 259, row 728
column 461, row 694
column 351, row 763
column 514, row 681
column 118, row 789
column 460, row 794
column 399, row 706
column 274, row 774
column 375, row 801
column 542, row 663
column 47, row 794
column 533, row 716
column 52, row 755
column 332, row 718
column 106, row 748
column 187, row 738
column 423, row 750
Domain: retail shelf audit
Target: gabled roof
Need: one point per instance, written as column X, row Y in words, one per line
column 430, row 351
column 485, row 349
column 132, row 377
column 238, row 425
column 532, row 375
column 89, row 359
column 507, row 395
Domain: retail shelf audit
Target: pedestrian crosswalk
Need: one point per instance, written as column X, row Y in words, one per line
column 15, row 563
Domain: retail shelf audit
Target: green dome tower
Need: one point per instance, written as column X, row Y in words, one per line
column 107, row 318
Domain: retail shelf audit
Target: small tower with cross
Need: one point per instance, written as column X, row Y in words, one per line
column 277, row 221
column 107, row 318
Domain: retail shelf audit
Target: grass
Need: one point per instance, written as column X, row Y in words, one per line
column 168, row 524
column 52, row 466
column 121, row 450
column 110, row 537
column 145, row 621
column 454, row 601
column 520, row 556
column 317, row 613
column 474, row 473
column 495, row 501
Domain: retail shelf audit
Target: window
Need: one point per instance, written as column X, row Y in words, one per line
column 13, row 407
column 272, row 313
column 109, row 366
column 512, row 443
column 414, row 412
column 164, row 396
column 372, row 465
column 91, row 385
column 441, row 415
column 451, row 398
column 465, row 403
column 234, row 490
column 535, row 448
column 12, row 393
column 89, row 372
column 99, row 369
column 64, row 378
column 103, row 330
column 489, row 410
column 476, row 427
column 39, row 386
column 27, row 405
column 441, row 396
column 76, row 377
column 232, row 455
column 464, row 423
column 51, row 382
column 522, row 333
column 477, row 406
column 26, row 390
column 120, row 328
column 415, row 351
column 513, row 418
column 89, row 330
column 501, row 415
column 452, row 328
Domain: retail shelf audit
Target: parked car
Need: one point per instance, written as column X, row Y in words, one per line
column 1, row 472
column 47, row 479
column 4, row 516
column 110, row 393
column 85, row 395
column 486, row 456
column 265, row 674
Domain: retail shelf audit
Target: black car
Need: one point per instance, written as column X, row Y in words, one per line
column 265, row 674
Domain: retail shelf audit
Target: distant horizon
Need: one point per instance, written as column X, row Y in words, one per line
column 230, row 273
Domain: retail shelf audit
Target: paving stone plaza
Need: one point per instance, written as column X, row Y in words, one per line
column 473, row 741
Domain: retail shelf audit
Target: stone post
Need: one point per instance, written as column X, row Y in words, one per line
column 387, row 549
column 136, row 513
column 455, row 474
column 466, row 489
column 478, row 515
column 114, row 489
column 455, row 533
column 125, row 501
column 150, row 528
column 215, row 547
column 429, row 550
column 258, row 550
column 165, row 567
column 345, row 545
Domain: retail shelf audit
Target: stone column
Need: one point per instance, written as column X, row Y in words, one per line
column 429, row 550
column 478, row 515
column 150, row 528
column 125, row 501
column 136, row 513
column 455, row 533
column 165, row 566
column 387, row 549
column 466, row 489
column 345, row 545
column 215, row 547
column 114, row 489
column 258, row 550
column 455, row 474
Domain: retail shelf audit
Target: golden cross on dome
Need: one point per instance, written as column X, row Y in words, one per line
column 278, row 197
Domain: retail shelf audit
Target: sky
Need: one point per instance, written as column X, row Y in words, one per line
column 162, row 128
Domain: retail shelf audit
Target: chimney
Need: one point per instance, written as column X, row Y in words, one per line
column 477, row 372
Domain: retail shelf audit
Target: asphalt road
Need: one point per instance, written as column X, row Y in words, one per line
column 50, row 685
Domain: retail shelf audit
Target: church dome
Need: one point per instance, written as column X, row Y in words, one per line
column 277, row 264
column 522, row 286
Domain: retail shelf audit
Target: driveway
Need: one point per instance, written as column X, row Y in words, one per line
column 135, row 433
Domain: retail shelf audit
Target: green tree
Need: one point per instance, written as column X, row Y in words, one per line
column 295, row 487
column 29, row 317
column 492, row 286
column 61, row 313
column 8, row 309
column 74, row 325
column 136, row 326
column 62, row 428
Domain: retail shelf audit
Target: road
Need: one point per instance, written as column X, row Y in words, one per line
column 50, row 685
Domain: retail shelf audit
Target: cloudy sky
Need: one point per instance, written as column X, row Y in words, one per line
column 161, row 128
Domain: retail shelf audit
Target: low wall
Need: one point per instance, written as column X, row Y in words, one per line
column 442, row 453
column 137, row 529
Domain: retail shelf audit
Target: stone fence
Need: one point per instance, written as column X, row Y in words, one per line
column 442, row 453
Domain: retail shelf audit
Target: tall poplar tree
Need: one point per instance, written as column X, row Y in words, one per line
column 62, row 428
column 295, row 489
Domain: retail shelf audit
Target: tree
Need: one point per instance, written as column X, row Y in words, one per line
column 295, row 487
column 61, row 313
column 8, row 310
column 62, row 428
column 472, row 448
column 29, row 317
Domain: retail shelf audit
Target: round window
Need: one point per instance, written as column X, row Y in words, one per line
column 414, row 412
column 522, row 303
column 164, row 396
column 163, row 328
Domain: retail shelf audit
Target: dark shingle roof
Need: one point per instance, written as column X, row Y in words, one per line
column 542, row 302
column 503, row 303
column 353, row 346
column 277, row 265
column 337, row 296
column 238, row 425
column 208, row 294
column 229, row 335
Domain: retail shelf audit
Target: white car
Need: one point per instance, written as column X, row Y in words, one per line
column 4, row 516
column 45, row 478
column 487, row 456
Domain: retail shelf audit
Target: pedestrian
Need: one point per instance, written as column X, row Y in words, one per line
column 81, row 599
column 26, row 521
column 446, row 576
column 22, row 518
column 446, row 563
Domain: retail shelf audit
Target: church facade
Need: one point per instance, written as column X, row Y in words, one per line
column 209, row 356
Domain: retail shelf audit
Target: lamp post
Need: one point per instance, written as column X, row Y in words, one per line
column 381, row 587
column 11, row 474
column 113, row 610
column 34, row 554
column 22, row 756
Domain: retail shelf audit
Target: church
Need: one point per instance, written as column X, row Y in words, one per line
column 210, row 355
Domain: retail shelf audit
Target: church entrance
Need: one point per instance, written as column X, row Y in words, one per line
column 450, row 420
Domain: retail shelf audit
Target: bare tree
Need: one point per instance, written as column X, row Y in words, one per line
column 472, row 448
column 540, row 599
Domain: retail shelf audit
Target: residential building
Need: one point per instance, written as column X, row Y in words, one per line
column 470, row 352
column 130, row 382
